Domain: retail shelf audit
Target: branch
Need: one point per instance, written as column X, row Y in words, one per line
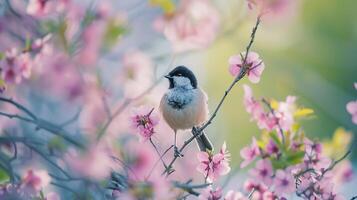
column 242, row 73
column 40, row 123
column 187, row 187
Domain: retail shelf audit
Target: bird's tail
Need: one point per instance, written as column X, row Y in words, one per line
column 203, row 142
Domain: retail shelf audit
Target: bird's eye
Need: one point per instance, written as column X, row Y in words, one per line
column 179, row 74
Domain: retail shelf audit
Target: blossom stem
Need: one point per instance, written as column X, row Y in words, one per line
column 158, row 153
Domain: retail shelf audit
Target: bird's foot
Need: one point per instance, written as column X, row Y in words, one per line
column 177, row 152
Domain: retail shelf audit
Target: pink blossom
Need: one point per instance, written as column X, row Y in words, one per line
column 140, row 157
column 233, row 195
column 268, row 195
column 40, row 42
column 214, row 166
column 343, row 172
column 95, row 163
column 352, row 109
column 136, row 74
column 257, row 186
column 249, row 153
column 285, row 113
column 92, row 40
column 36, row 180
column 39, row 8
column 210, row 194
column 312, row 147
column 251, row 105
column 193, row 26
column 16, row 66
column 52, row 196
column 272, row 148
column 254, row 65
column 273, row 8
column 263, row 171
column 284, row 183
column 144, row 120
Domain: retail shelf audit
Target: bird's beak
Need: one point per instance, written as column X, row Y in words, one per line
column 168, row 76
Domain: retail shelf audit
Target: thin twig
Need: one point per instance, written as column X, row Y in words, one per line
column 161, row 157
column 190, row 188
column 158, row 153
column 250, row 196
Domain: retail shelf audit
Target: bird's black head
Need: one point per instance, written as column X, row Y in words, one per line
column 181, row 71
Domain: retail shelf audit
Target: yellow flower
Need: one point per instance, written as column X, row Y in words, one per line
column 339, row 143
column 302, row 112
column 166, row 5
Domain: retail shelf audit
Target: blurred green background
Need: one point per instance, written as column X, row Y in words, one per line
column 312, row 55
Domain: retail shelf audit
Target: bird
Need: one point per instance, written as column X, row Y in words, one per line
column 184, row 106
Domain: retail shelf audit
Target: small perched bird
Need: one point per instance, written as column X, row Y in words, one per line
column 184, row 105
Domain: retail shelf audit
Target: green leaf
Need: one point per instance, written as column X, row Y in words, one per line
column 294, row 158
column 113, row 32
column 4, row 177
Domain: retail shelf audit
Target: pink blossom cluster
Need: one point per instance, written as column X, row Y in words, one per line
column 294, row 165
column 144, row 121
column 281, row 117
column 214, row 166
column 32, row 183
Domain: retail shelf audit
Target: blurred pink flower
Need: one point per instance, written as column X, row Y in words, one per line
column 193, row 26
column 140, row 158
column 39, row 8
column 257, row 186
column 95, row 163
column 343, row 172
column 272, row 8
column 144, row 120
column 56, row 74
column 16, row 66
column 36, row 180
column 233, row 195
column 249, row 153
column 312, row 147
column 263, row 171
column 136, row 74
column 251, row 105
column 92, row 40
column 214, row 166
column 40, row 42
column 285, row 113
column 254, row 64
column 352, row 109
column 272, row 148
column 284, row 182
column 210, row 194
column 52, row 196
column 268, row 195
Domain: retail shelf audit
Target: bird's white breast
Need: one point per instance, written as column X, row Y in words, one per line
column 193, row 112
